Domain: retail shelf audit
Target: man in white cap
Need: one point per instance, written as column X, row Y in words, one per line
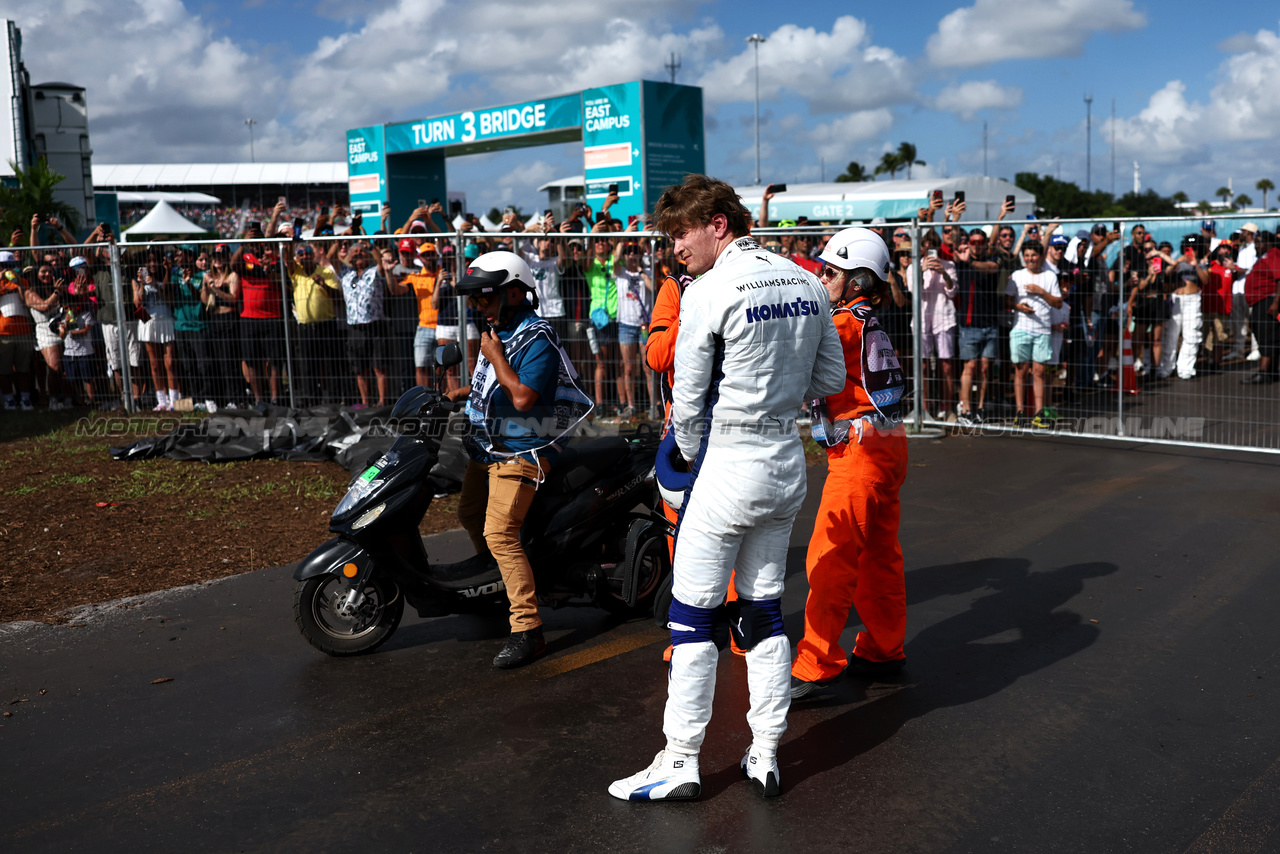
column 1242, row 340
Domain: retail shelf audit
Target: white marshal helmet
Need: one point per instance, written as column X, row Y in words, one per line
column 858, row 249
column 494, row 270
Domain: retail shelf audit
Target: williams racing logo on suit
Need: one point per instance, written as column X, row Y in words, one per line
column 774, row 311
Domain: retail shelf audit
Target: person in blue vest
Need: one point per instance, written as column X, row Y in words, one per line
column 523, row 399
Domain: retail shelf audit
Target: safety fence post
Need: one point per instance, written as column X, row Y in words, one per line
column 460, row 268
column 122, row 327
column 917, row 328
column 285, row 314
column 1122, row 320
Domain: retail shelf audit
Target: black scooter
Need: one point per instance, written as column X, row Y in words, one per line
column 594, row 535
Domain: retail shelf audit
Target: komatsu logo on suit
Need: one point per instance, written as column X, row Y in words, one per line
column 795, row 308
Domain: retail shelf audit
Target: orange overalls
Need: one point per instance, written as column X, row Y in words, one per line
column 664, row 324
column 660, row 354
column 854, row 557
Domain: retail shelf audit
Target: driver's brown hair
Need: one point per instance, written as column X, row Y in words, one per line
column 695, row 201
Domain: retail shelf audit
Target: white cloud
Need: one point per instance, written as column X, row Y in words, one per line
column 160, row 85
column 992, row 30
column 522, row 179
column 835, row 140
column 969, row 98
column 1242, row 108
column 839, row 70
column 428, row 51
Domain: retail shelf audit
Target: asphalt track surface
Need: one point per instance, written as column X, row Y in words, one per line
column 1094, row 665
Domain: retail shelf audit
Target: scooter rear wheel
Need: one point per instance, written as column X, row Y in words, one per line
column 316, row 609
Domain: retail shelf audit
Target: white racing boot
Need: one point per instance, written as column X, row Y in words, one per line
column 671, row 777
column 762, row 771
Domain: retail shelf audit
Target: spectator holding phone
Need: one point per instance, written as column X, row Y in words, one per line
column 602, row 334
column 1032, row 293
column 1262, row 292
column 635, row 301
column 1185, row 276
column 548, row 263
column 17, row 335
column 978, row 304
column 364, row 287
column 186, row 283
column 938, row 328
column 222, row 314
column 257, row 288
column 44, row 299
column 1243, row 342
column 74, row 329
column 315, row 285
column 151, row 300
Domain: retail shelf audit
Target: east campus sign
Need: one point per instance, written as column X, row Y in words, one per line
column 642, row 136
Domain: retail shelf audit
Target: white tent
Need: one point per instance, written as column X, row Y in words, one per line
column 163, row 219
column 893, row 200
column 128, row 197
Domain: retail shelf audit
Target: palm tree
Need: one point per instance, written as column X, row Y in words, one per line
column 853, row 173
column 1241, row 202
column 1204, row 206
column 1263, row 186
column 889, row 162
column 907, row 157
column 1180, row 198
column 1223, row 193
column 33, row 195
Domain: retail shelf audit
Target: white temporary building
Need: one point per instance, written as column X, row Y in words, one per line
column 893, row 200
column 864, row 201
column 128, row 197
column 163, row 219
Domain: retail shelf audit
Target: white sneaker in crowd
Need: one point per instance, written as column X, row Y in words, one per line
column 762, row 772
column 671, row 777
column 210, row 406
column 1254, row 356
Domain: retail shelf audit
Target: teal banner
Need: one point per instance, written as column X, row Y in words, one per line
column 494, row 124
column 673, row 136
column 366, row 169
column 612, row 142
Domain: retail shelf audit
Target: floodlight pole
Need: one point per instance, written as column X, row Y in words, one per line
column 251, row 123
column 1088, row 143
column 755, row 39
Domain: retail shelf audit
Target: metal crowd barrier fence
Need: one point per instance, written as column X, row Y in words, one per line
column 162, row 316
column 1152, row 346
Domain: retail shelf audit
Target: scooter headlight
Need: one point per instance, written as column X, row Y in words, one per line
column 368, row 517
column 357, row 493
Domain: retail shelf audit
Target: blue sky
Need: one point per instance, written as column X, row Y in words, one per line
column 1195, row 93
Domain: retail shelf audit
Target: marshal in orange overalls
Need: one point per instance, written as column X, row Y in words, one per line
column 854, row 557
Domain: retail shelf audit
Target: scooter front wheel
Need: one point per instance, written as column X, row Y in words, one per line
column 333, row 623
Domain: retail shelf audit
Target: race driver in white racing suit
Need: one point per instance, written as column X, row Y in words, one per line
column 756, row 339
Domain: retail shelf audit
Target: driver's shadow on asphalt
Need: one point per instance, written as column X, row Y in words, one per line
column 1018, row 629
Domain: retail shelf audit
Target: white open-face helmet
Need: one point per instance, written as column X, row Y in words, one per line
column 494, row 270
column 858, row 249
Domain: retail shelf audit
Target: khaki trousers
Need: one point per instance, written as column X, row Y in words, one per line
column 495, row 499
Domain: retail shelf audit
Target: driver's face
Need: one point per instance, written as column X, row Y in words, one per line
column 696, row 247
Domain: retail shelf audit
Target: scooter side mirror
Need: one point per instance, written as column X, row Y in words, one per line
column 413, row 402
column 448, row 355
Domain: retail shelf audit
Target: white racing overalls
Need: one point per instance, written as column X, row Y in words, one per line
column 756, row 339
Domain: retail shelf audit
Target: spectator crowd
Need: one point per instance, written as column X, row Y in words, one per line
column 1016, row 319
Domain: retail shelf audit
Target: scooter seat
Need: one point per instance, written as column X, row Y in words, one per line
column 583, row 462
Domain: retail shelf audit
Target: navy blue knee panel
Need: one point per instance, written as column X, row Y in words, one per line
column 691, row 624
column 754, row 621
